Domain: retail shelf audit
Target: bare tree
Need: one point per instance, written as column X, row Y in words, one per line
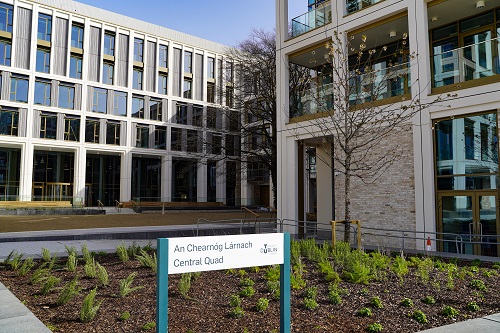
column 356, row 101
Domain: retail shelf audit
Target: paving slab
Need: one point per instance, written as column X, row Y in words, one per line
column 482, row 325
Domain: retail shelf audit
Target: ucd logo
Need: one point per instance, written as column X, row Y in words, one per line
column 271, row 249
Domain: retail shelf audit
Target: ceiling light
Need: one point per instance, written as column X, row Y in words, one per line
column 392, row 34
column 480, row 4
column 434, row 19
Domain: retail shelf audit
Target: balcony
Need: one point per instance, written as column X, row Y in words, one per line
column 355, row 5
column 311, row 20
column 476, row 62
column 312, row 101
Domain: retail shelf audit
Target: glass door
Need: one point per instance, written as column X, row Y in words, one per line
column 487, row 227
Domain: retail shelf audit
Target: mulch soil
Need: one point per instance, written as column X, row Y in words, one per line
column 207, row 307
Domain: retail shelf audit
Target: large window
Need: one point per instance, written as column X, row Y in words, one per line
column 138, row 49
column 9, row 119
column 182, row 114
column 163, row 56
column 188, row 62
column 66, row 96
column 75, row 66
column 99, row 101
column 160, row 137
column 19, row 89
column 186, row 92
column 137, row 79
column 42, row 92
column 112, row 133
column 77, row 36
column 71, row 128
column 138, row 107
column 92, row 130
column 120, row 104
column 211, row 68
column 6, row 14
column 48, row 125
column 108, row 72
column 42, row 60
column 197, row 115
column 176, row 139
column 109, row 43
column 142, row 137
column 155, row 109
column 5, row 51
column 193, row 141
column 162, row 84
column 210, row 92
column 44, row 27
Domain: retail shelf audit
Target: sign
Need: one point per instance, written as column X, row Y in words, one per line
column 198, row 254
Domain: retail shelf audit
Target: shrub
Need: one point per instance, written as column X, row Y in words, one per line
column 472, row 306
column 428, row 300
column 297, row 282
column 89, row 309
column 70, row 250
column 334, row 297
column 496, row 265
column 147, row 260
column 13, row 260
column 27, row 265
column 124, row 316
column 242, row 272
column 449, row 312
column 149, row 326
column 376, row 303
column 87, row 256
column 71, row 263
column 407, row 302
column 237, row 312
column 247, row 292
column 311, row 292
column 235, row 301
column 122, row 253
column 489, row 273
column 365, row 312
column 310, row 303
column 46, row 256
column 262, row 304
column 478, row 285
column 359, row 273
column 420, row 317
column 39, row 274
column 90, row 269
column 49, row 283
column 375, row 327
column 246, row 282
column 133, row 250
column 125, row 284
column 330, row 274
column 184, row 284
column 102, row 275
column 69, row 291
column 272, row 273
column 400, row 267
column 255, row 269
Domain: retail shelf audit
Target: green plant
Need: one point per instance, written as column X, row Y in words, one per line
column 476, row 262
column 124, row 316
column 407, row 302
column 184, row 284
column 478, row 285
column 102, row 275
column 247, row 292
column 149, row 326
column 450, row 312
column 272, row 273
column 230, row 271
column 13, row 260
column 242, row 272
column 46, row 256
column 375, row 327
column 330, row 274
column 90, row 269
column 133, row 250
column 274, row 288
column 489, row 273
column 87, row 256
column 39, row 274
column 246, row 282
column 49, row 283
column 311, row 292
column 428, row 300
column 255, row 269
column 400, row 267
column 334, row 297
column 69, row 291
column 234, row 301
column 358, row 272
column 70, row 250
column 147, row 260
column 365, row 312
column 496, row 265
column 297, row 282
column 420, row 317
column 125, row 284
column 122, row 253
column 472, row 306
column 27, row 265
column 51, row 326
column 376, row 302
column 262, row 304
column 364, row 291
column 72, row 262
column 237, row 312
column 89, row 308
column 148, row 247
column 424, row 268
column 310, row 303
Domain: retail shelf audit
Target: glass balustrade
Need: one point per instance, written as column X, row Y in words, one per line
column 311, row 101
column 312, row 19
column 466, row 63
column 355, row 5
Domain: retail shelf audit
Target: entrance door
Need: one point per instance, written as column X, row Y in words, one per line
column 469, row 222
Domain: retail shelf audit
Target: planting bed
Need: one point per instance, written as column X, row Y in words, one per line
column 209, row 302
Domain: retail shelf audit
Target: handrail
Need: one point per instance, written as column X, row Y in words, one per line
column 118, row 205
column 134, row 204
column 100, row 205
column 463, row 47
column 250, row 211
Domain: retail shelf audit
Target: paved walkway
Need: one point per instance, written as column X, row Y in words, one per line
column 15, row 317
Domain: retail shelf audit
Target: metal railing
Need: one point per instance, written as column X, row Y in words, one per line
column 355, row 5
column 118, row 206
column 100, row 205
column 242, row 226
column 313, row 19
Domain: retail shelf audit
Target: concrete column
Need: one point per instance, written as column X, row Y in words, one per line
column 221, row 182
column 324, row 186
column 125, row 176
column 79, row 175
column 166, row 178
column 287, row 178
column 26, row 172
column 201, row 181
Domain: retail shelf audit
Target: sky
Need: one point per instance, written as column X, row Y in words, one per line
column 224, row 21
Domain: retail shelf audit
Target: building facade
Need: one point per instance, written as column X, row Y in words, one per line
column 445, row 183
column 96, row 106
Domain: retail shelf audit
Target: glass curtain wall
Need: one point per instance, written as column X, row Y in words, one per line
column 146, row 179
column 102, row 180
column 10, row 168
column 53, row 174
column 184, row 180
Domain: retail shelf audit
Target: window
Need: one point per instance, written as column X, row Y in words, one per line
column 19, row 89
column 197, row 115
column 5, row 51
column 75, row 67
column 187, row 89
column 234, row 121
column 210, row 92
column 176, row 139
column 163, row 56
column 48, row 126
column 113, row 133
column 109, row 43
column 155, row 109
column 192, row 141
column 160, row 137
column 71, row 128
column 92, row 130
column 181, row 115
column 42, row 92
column 142, row 138
column 9, row 119
column 188, row 62
column 232, row 145
column 107, row 73
column 138, row 49
column 120, row 104
column 44, row 27
column 162, row 84
column 229, row 71
column 99, row 102
column 6, row 14
column 138, row 107
column 211, row 68
column 66, row 96
column 216, row 144
column 229, row 97
column 212, row 118
column 77, row 36
column 469, row 139
column 137, row 79
column 42, row 60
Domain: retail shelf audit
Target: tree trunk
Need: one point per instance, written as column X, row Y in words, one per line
column 347, row 201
